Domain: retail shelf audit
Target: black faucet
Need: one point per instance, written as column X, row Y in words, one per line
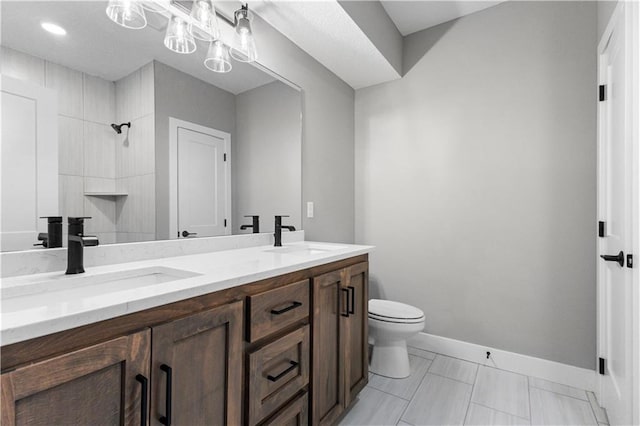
column 77, row 241
column 255, row 224
column 278, row 233
column 53, row 237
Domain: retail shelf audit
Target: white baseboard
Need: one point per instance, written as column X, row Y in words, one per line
column 569, row 375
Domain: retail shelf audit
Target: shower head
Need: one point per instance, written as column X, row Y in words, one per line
column 118, row 127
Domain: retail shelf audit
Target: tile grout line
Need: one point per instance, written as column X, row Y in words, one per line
column 473, row 388
column 559, row 393
column 411, row 400
column 593, row 411
column 529, row 395
column 500, row 411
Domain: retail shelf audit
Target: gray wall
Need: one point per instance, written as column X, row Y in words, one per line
column 476, row 179
column 182, row 96
column 605, row 9
column 327, row 136
column 267, row 155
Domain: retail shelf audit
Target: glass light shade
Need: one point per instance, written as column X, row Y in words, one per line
column 204, row 13
column 127, row 13
column 217, row 59
column 244, row 46
column 178, row 37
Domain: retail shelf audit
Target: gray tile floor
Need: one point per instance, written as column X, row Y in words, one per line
column 447, row 391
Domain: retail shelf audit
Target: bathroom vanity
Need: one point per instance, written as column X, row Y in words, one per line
column 259, row 335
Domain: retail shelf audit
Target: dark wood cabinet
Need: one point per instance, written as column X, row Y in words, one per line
column 97, row 385
column 296, row 343
column 340, row 341
column 197, row 369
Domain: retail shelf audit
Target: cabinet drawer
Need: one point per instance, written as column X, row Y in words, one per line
column 277, row 372
column 296, row 413
column 275, row 309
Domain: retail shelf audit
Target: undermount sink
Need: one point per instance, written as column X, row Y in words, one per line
column 59, row 288
column 305, row 249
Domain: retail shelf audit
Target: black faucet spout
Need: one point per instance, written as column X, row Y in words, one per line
column 278, row 231
column 77, row 242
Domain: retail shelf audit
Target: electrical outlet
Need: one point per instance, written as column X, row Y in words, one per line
column 310, row 209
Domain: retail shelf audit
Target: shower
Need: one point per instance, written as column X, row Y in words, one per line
column 118, row 127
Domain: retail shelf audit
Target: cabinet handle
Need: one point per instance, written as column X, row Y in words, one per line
column 288, row 308
column 279, row 376
column 166, row 419
column 352, row 308
column 346, row 290
column 144, row 382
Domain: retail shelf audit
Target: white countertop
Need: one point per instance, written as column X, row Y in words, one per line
column 48, row 311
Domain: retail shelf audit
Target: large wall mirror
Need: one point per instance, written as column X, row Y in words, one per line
column 108, row 123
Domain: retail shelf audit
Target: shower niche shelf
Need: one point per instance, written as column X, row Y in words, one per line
column 106, row 194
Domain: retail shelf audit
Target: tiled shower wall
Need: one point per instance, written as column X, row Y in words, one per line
column 91, row 157
column 135, row 157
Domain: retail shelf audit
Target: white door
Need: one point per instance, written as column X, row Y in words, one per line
column 202, row 185
column 616, row 198
column 29, row 150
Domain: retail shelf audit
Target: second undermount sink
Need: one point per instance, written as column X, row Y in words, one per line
column 305, row 249
column 93, row 285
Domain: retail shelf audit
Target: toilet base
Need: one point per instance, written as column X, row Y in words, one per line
column 390, row 359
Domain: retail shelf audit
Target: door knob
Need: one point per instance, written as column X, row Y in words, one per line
column 188, row 234
column 614, row 258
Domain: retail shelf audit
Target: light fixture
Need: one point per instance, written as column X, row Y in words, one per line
column 203, row 13
column 217, row 59
column 178, row 37
column 127, row 13
column 244, row 48
column 53, row 28
column 185, row 26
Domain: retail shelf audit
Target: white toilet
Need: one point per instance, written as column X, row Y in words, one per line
column 390, row 325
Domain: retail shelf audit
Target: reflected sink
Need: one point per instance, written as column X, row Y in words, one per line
column 305, row 249
column 60, row 287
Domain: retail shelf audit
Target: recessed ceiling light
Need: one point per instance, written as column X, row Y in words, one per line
column 53, row 28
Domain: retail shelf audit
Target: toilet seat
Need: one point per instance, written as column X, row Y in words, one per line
column 394, row 312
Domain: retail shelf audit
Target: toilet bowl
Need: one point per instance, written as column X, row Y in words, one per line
column 390, row 325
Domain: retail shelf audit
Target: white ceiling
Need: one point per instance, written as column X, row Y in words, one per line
column 326, row 32
column 412, row 16
column 99, row 47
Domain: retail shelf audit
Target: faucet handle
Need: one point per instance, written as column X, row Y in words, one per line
column 77, row 219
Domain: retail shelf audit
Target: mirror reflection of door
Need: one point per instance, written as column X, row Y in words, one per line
column 29, row 162
column 203, row 186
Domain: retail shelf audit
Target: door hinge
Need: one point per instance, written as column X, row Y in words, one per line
column 225, row 223
column 601, row 366
column 602, row 96
column 225, row 156
column 602, row 228
column 629, row 261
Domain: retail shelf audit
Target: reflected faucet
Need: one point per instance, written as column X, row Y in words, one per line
column 77, row 242
column 278, row 233
column 255, row 226
column 53, row 237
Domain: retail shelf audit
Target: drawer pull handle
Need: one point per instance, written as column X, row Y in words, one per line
column 166, row 419
column 144, row 382
column 345, row 290
column 288, row 308
column 279, row 376
column 352, row 308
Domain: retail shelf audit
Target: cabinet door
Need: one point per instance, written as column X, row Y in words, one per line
column 197, row 369
column 356, row 333
column 329, row 306
column 97, row 385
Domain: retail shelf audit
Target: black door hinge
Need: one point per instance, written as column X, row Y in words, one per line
column 602, row 93
column 225, row 156
column 225, row 223
column 601, row 365
column 629, row 261
column 602, row 229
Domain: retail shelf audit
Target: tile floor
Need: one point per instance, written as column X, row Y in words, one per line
column 447, row 391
